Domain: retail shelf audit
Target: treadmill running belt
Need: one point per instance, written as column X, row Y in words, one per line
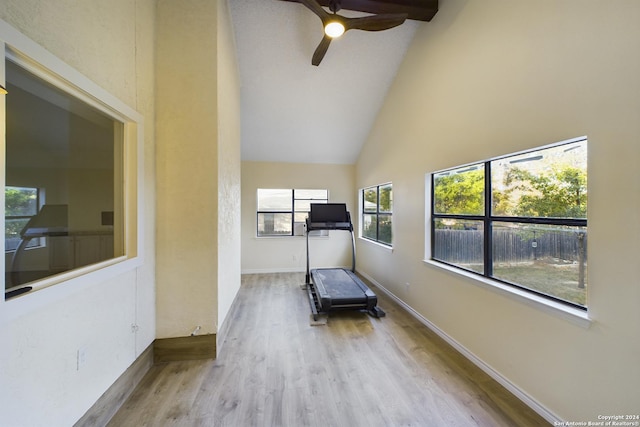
column 341, row 288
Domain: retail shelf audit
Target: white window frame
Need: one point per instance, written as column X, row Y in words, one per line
column 37, row 60
column 362, row 212
column 298, row 228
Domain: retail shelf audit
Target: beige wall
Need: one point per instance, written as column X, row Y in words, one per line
column 187, row 165
column 276, row 254
column 489, row 78
column 198, row 167
column 114, row 321
column 111, row 43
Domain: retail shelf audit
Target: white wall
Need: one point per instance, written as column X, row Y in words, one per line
column 229, row 191
column 112, row 44
column 489, row 78
column 276, row 254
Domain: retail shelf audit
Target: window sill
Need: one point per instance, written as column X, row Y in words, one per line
column 573, row 315
column 289, row 237
column 56, row 288
column 380, row 245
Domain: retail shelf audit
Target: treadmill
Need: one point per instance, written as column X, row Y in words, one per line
column 332, row 289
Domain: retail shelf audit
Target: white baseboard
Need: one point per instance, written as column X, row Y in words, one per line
column 283, row 270
column 273, row 270
column 520, row 394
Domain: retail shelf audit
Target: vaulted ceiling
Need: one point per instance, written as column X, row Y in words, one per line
column 293, row 111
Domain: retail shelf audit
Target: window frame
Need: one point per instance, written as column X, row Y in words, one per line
column 18, row 48
column 488, row 219
column 295, row 231
column 377, row 213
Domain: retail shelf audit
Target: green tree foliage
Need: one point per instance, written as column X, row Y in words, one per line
column 371, row 199
column 384, row 229
column 562, row 193
column 460, row 193
column 386, row 199
column 19, row 202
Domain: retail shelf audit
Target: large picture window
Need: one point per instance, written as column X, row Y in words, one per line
column 519, row 219
column 377, row 212
column 282, row 212
column 69, row 140
column 74, row 153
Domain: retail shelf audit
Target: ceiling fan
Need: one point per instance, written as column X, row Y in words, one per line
column 335, row 25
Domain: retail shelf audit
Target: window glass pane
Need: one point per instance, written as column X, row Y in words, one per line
column 305, row 205
column 74, row 154
column 386, row 198
column 459, row 191
column 369, row 226
column 274, row 224
column 370, row 199
column 311, row 194
column 551, row 260
column 301, row 216
column 21, row 201
column 21, row 204
column 550, row 183
column 384, row 229
column 12, row 228
column 274, row 200
column 459, row 242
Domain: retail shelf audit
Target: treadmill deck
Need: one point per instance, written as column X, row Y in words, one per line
column 339, row 288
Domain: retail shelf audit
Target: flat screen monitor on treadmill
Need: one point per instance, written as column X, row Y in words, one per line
column 328, row 213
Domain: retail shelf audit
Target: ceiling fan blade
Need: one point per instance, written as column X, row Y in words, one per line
column 315, row 7
column 375, row 22
column 321, row 50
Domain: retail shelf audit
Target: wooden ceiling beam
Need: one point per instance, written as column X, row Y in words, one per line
column 419, row 10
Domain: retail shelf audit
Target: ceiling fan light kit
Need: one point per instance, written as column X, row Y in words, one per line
column 334, row 29
column 335, row 25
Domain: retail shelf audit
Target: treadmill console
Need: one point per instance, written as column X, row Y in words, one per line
column 329, row 216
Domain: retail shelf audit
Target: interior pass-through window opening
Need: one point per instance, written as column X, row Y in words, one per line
column 64, row 181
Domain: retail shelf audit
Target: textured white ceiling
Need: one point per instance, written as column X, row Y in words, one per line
column 293, row 111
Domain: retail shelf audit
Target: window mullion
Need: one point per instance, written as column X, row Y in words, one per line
column 377, row 213
column 488, row 232
column 293, row 211
column 433, row 211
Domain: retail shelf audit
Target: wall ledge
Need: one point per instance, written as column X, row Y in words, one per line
column 574, row 315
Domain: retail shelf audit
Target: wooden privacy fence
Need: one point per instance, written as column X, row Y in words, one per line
column 511, row 246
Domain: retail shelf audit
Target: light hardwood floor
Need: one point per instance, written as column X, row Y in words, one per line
column 276, row 370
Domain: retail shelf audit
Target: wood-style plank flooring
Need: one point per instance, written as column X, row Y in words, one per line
column 275, row 369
